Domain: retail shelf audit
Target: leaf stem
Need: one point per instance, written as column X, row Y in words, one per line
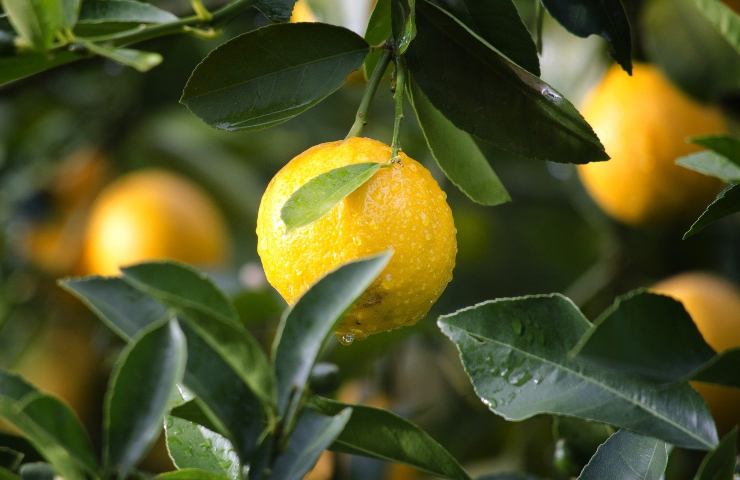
column 539, row 18
column 367, row 97
column 200, row 10
column 399, row 87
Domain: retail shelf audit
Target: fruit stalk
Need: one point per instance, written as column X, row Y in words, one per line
column 367, row 97
column 400, row 85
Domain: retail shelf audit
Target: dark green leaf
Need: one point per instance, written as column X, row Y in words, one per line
column 125, row 310
column 516, row 352
column 630, row 336
column 319, row 195
column 190, row 474
column 122, row 11
column 193, row 412
column 721, row 370
column 70, row 12
column 727, row 203
column 499, row 24
column 9, row 458
column 379, row 30
column 136, row 59
column 604, row 17
column 724, row 19
column 312, row 435
column 376, row 433
column 712, row 164
column 508, row 476
column 270, row 75
column 581, row 437
column 720, row 463
column 726, row 145
column 146, row 373
column 408, row 31
column 489, row 96
column 37, row 471
column 457, row 154
column 17, row 67
column 276, row 10
column 35, row 21
column 627, row 456
column 6, row 474
column 193, row 446
column 306, row 326
column 707, row 67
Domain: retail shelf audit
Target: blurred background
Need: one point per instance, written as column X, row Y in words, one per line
column 100, row 165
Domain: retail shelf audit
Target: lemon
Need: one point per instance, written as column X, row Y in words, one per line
column 153, row 214
column 400, row 208
column 644, row 122
column 714, row 305
column 302, row 12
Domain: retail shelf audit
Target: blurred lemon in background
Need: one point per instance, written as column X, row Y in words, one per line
column 644, row 122
column 154, row 214
column 401, row 208
column 714, row 305
column 302, row 12
column 324, row 468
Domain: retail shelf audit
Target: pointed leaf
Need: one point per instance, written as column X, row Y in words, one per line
column 244, row 85
column 516, row 352
column 379, row 30
column 726, row 145
column 719, row 464
column 713, row 164
column 122, row 11
column 723, row 18
column 307, row 325
column 193, row 412
column 727, row 203
column 376, row 433
column 276, row 10
column 18, row 67
column 627, row 456
column 319, row 195
column 146, row 375
column 603, row 17
column 194, row 446
column 492, row 98
column 457, row 154
column 136, row 59
column 35, row 21
column 6, row 474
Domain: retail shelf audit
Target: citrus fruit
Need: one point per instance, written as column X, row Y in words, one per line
column 714, row 305
column 153, row 214
column 302, row 13
column 401, row 208
column 324, row 468
column 644, row 122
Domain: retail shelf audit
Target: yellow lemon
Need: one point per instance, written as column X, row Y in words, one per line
column 153, row 214
column 324, row 468
column 714, row 305
column 643, row 122
column 400, row 208
column 302, row 12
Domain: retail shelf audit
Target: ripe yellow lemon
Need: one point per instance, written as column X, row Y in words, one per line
column 643, row 122
column 400, row 208
column 714, row 305
column 302, row 12
column 153, row 214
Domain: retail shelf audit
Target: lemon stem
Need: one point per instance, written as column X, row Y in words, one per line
column 367, row 97
column 399, row 87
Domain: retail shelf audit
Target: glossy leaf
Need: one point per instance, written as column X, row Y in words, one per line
column 407, row 30
column 244, row 85
column 125, row 310
column 146, row 373
column 606, row 18
column 122, row 11
column 35, row 21
column 193, row 446
column 307, row 325
column 193, row 412
column 190, row 474
column 499, row 24
column 727, row 203
column 313, row 434
column 516, row 352
column 719, row 464
column 581, row 437
column 276, row 10
column 492, row 98
column 724, row 19
column 457, row 154
column 630, row 336
column 712, row 164
column 319, row 195
column 136, row 59
column 379, row 30
column 376, row 433
column 627, row 456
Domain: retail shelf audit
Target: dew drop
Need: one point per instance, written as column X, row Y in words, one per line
column 347, row 339
column 550, row 93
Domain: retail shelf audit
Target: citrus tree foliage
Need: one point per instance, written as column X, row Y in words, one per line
column 469, row 70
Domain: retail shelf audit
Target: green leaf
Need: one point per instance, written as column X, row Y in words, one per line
column 190, row 474
column 457, row 154
column 193, row 412
column 627, row 456
column 707, row 67
column 6, row 474
column 712, row 164
column 727, row 203
column 136, row 59
column 244, row 85
column 407, row 10
column 122, row 11
column 146, row 373
column 18, row 67
column 499, row 24
column 721, row 370
column 516, row 352
column 37, row 471
column 35, row 21
column 380, row 434
column 630, row 337
column 379, row 29
column 581, row 437
column 306, row 326
column 319, row 195
column 492, row 98
column 9, row 458
column 726, row 145
column 124, row 309
column 720, row 463
column 606, row 18
column 724, row 19
column 49, row 425
column 276, row 10
column 194, row 446
column 313, row 434
column 70, row 12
